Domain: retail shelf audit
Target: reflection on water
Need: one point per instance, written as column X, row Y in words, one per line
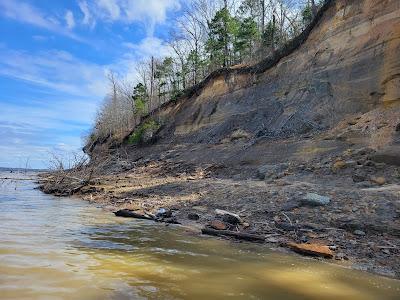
column 52, row 248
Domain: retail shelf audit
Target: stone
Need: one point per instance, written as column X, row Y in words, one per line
column 229, row 217
column 290, row 205
column 269, row 171
column 312, row 199
column 397, row 129
column 312, row 249
column 193, row 216
column 359, row 177
column 340, row 164
column 218, row 225
column 389, row 156
column 364, row 184
column 359, row 232
column 378, row 180
column 341, row 256
column 246, row 225
column 163, row 213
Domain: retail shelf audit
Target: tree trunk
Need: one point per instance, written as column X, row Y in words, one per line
column 262, row 16
column 314, row 8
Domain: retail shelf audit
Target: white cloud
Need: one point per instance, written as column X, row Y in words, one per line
column 151, row 12
column 110, row 7
column 56, row 70
column 25, row 13
column 69, row 19
column 87, row 16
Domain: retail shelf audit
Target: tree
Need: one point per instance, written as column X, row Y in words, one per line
column 307, row 15
column 270, row 38
column 220, row 37
column 246, row 35
column 139, row 99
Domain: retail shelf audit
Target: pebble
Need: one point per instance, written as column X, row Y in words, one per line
column 218, row 225
column 378, row 180
column 359, row 232
column 315, row 200
column 193, row 216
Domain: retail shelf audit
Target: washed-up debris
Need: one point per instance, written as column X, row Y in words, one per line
column 218, row 225
column 234, row 234
column 126, row 213
column 311, row 249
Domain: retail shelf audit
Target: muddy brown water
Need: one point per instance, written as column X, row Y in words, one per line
column 64, row 248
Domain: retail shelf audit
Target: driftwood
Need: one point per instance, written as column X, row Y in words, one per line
column 125, row 213
column 237, row 235
column 18, row 179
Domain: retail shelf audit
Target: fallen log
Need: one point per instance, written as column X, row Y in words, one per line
column 237, row 235
column 126, row 213
column 18, row 179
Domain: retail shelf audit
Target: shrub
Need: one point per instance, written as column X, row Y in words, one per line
column 143, row 131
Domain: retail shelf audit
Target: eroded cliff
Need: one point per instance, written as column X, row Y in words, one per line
column 304, row 146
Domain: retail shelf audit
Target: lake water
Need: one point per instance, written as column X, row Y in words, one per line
column 64, row 248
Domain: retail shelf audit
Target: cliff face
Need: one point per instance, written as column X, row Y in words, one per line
column 348, row 68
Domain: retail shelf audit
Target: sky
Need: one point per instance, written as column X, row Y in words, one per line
column 54, row 58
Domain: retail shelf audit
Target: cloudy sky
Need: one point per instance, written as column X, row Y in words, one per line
column 54, row 58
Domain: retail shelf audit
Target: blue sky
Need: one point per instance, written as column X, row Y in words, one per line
column 55, row 55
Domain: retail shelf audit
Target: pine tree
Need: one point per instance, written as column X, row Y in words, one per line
column 139, row 99
column 220, row 38
column 246, row 35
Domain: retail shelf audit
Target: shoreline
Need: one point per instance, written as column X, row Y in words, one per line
column 272, row 207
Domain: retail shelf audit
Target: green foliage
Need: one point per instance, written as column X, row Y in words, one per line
column 246, row 34
column 222, row 29
column 138, row 135
column 270, row 35
column 307, row 15
column 139, row 99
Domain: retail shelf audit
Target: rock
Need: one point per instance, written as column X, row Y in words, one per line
column 286, row 226
column 359, row 177
column 218, row 225
column 340, row 164
column 364, row 184
column 312, row 249
column 272, row 240
column 359, row 232
column 229, row 217
column 390, row 156
column 290, row 205
column 163, row 213
column 364, row 151
column 269, row 171
column 246, row 225
column 397, row 129
column 341, row 256
column 312, row 199
column 378, row 180
column 352, row 122
column 193, row 216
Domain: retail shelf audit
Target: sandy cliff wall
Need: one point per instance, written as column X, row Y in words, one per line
column 349, row 64
column 348, row 67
